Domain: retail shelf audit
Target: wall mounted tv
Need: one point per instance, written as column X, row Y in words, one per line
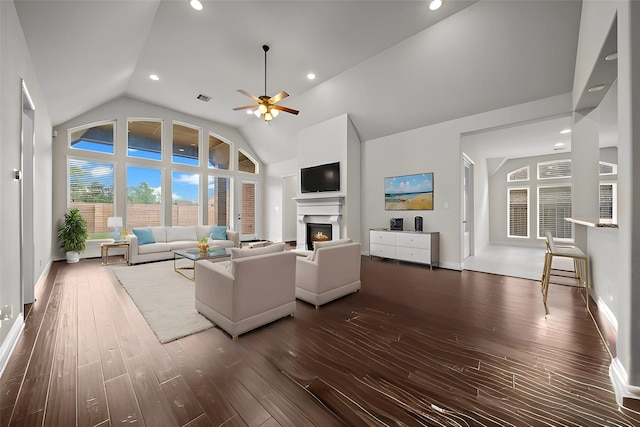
column 321, row 178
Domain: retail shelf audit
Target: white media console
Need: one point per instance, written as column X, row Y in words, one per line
column 412, row 246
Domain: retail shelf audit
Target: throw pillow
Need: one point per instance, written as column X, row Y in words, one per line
column 144, row 235
column 219, row 232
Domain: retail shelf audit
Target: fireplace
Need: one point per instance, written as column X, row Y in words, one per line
column 318, row 233
column 318, row 211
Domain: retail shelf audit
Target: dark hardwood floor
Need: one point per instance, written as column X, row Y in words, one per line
column 414, row 347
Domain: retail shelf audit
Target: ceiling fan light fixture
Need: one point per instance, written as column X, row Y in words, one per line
column 265, row 104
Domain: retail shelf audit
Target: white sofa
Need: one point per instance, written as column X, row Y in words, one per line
column 332, row 271
column 171, row 238
column 249, row 291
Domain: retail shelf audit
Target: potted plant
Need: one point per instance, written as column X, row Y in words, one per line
column 73, row 234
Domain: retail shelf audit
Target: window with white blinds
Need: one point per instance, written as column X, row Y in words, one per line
column 608, row 168
column 607, row 202
column 91, row 186
column 554, row 205
column 521, row 174
column 518, row 215
column 554, row 169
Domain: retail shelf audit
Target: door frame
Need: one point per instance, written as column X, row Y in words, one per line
column 240, row 212
column 27, row 185
column 466, row 225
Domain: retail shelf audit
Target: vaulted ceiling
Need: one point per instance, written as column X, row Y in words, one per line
column 391, row 65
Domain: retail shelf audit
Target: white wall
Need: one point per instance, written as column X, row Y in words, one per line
column 273, row 209
column 619, row 277
column 15, row 63
column 628, row 292
column 436, row 149
column 121, row 109
column 336, row 140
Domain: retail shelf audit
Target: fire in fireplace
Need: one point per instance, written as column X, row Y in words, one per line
column 317, row 233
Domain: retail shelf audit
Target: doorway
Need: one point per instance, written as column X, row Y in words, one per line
column 467, row 208
column 27, row 238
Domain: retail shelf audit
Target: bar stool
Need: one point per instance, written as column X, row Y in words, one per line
column 580, row 265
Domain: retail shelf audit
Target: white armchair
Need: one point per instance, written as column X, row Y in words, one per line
column 251, row 292
column 331, row 272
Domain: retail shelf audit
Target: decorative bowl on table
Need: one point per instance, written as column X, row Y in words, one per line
column 203, row 247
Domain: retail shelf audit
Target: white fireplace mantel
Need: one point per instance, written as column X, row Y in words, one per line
column 318, row 210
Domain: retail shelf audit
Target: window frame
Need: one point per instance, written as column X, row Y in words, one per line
column 230, row 198
column 91, row 125
column 561, row 239
column 198, row 143
column 162, row 191
column 551, row 162
column 518, row 170
column 614, row 202
column 256, row 164
column 146, row 119
column 231, row 167
column 197, row 172
column 114, row 165
column 509, row 235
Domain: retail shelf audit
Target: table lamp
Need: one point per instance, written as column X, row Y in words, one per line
column 116, row 223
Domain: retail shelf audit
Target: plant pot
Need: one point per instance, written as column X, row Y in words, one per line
column 72, row 257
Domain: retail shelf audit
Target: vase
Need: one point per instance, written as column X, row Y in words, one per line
column 72, row 257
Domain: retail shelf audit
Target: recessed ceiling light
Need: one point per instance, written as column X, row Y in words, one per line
column 565, row 131
column 154, row 77
column 611, row 57
column 435, row 4
column 181, row 149
column 311, row 76
column 249, row 112
column 596, row 88
column 196, row 4
column 559, row 144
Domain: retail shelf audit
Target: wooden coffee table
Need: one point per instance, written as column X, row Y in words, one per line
column 184, row 260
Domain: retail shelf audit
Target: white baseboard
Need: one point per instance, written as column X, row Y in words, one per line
column 9, row 343
column 450, row 265
column 608, row 314
column 621, row 385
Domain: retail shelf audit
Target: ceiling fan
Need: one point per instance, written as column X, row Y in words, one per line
column 266, row 105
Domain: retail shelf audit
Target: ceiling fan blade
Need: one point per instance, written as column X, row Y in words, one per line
column 277, row 97
column 246, row 107
column 285, row 109
column 244, row 92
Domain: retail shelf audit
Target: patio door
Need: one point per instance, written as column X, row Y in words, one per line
column 248, row 213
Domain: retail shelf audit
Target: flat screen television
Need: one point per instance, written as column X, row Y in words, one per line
column 321, row 178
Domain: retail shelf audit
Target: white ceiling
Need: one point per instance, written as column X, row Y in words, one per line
column 391, row 65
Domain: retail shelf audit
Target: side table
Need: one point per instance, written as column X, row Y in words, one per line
column 104, row 251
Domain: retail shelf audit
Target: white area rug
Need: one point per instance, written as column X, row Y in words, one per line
column 165, row 298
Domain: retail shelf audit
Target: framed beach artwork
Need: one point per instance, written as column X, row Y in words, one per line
column 409, row 192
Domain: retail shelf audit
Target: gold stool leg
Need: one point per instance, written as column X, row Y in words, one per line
column 545, row 283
